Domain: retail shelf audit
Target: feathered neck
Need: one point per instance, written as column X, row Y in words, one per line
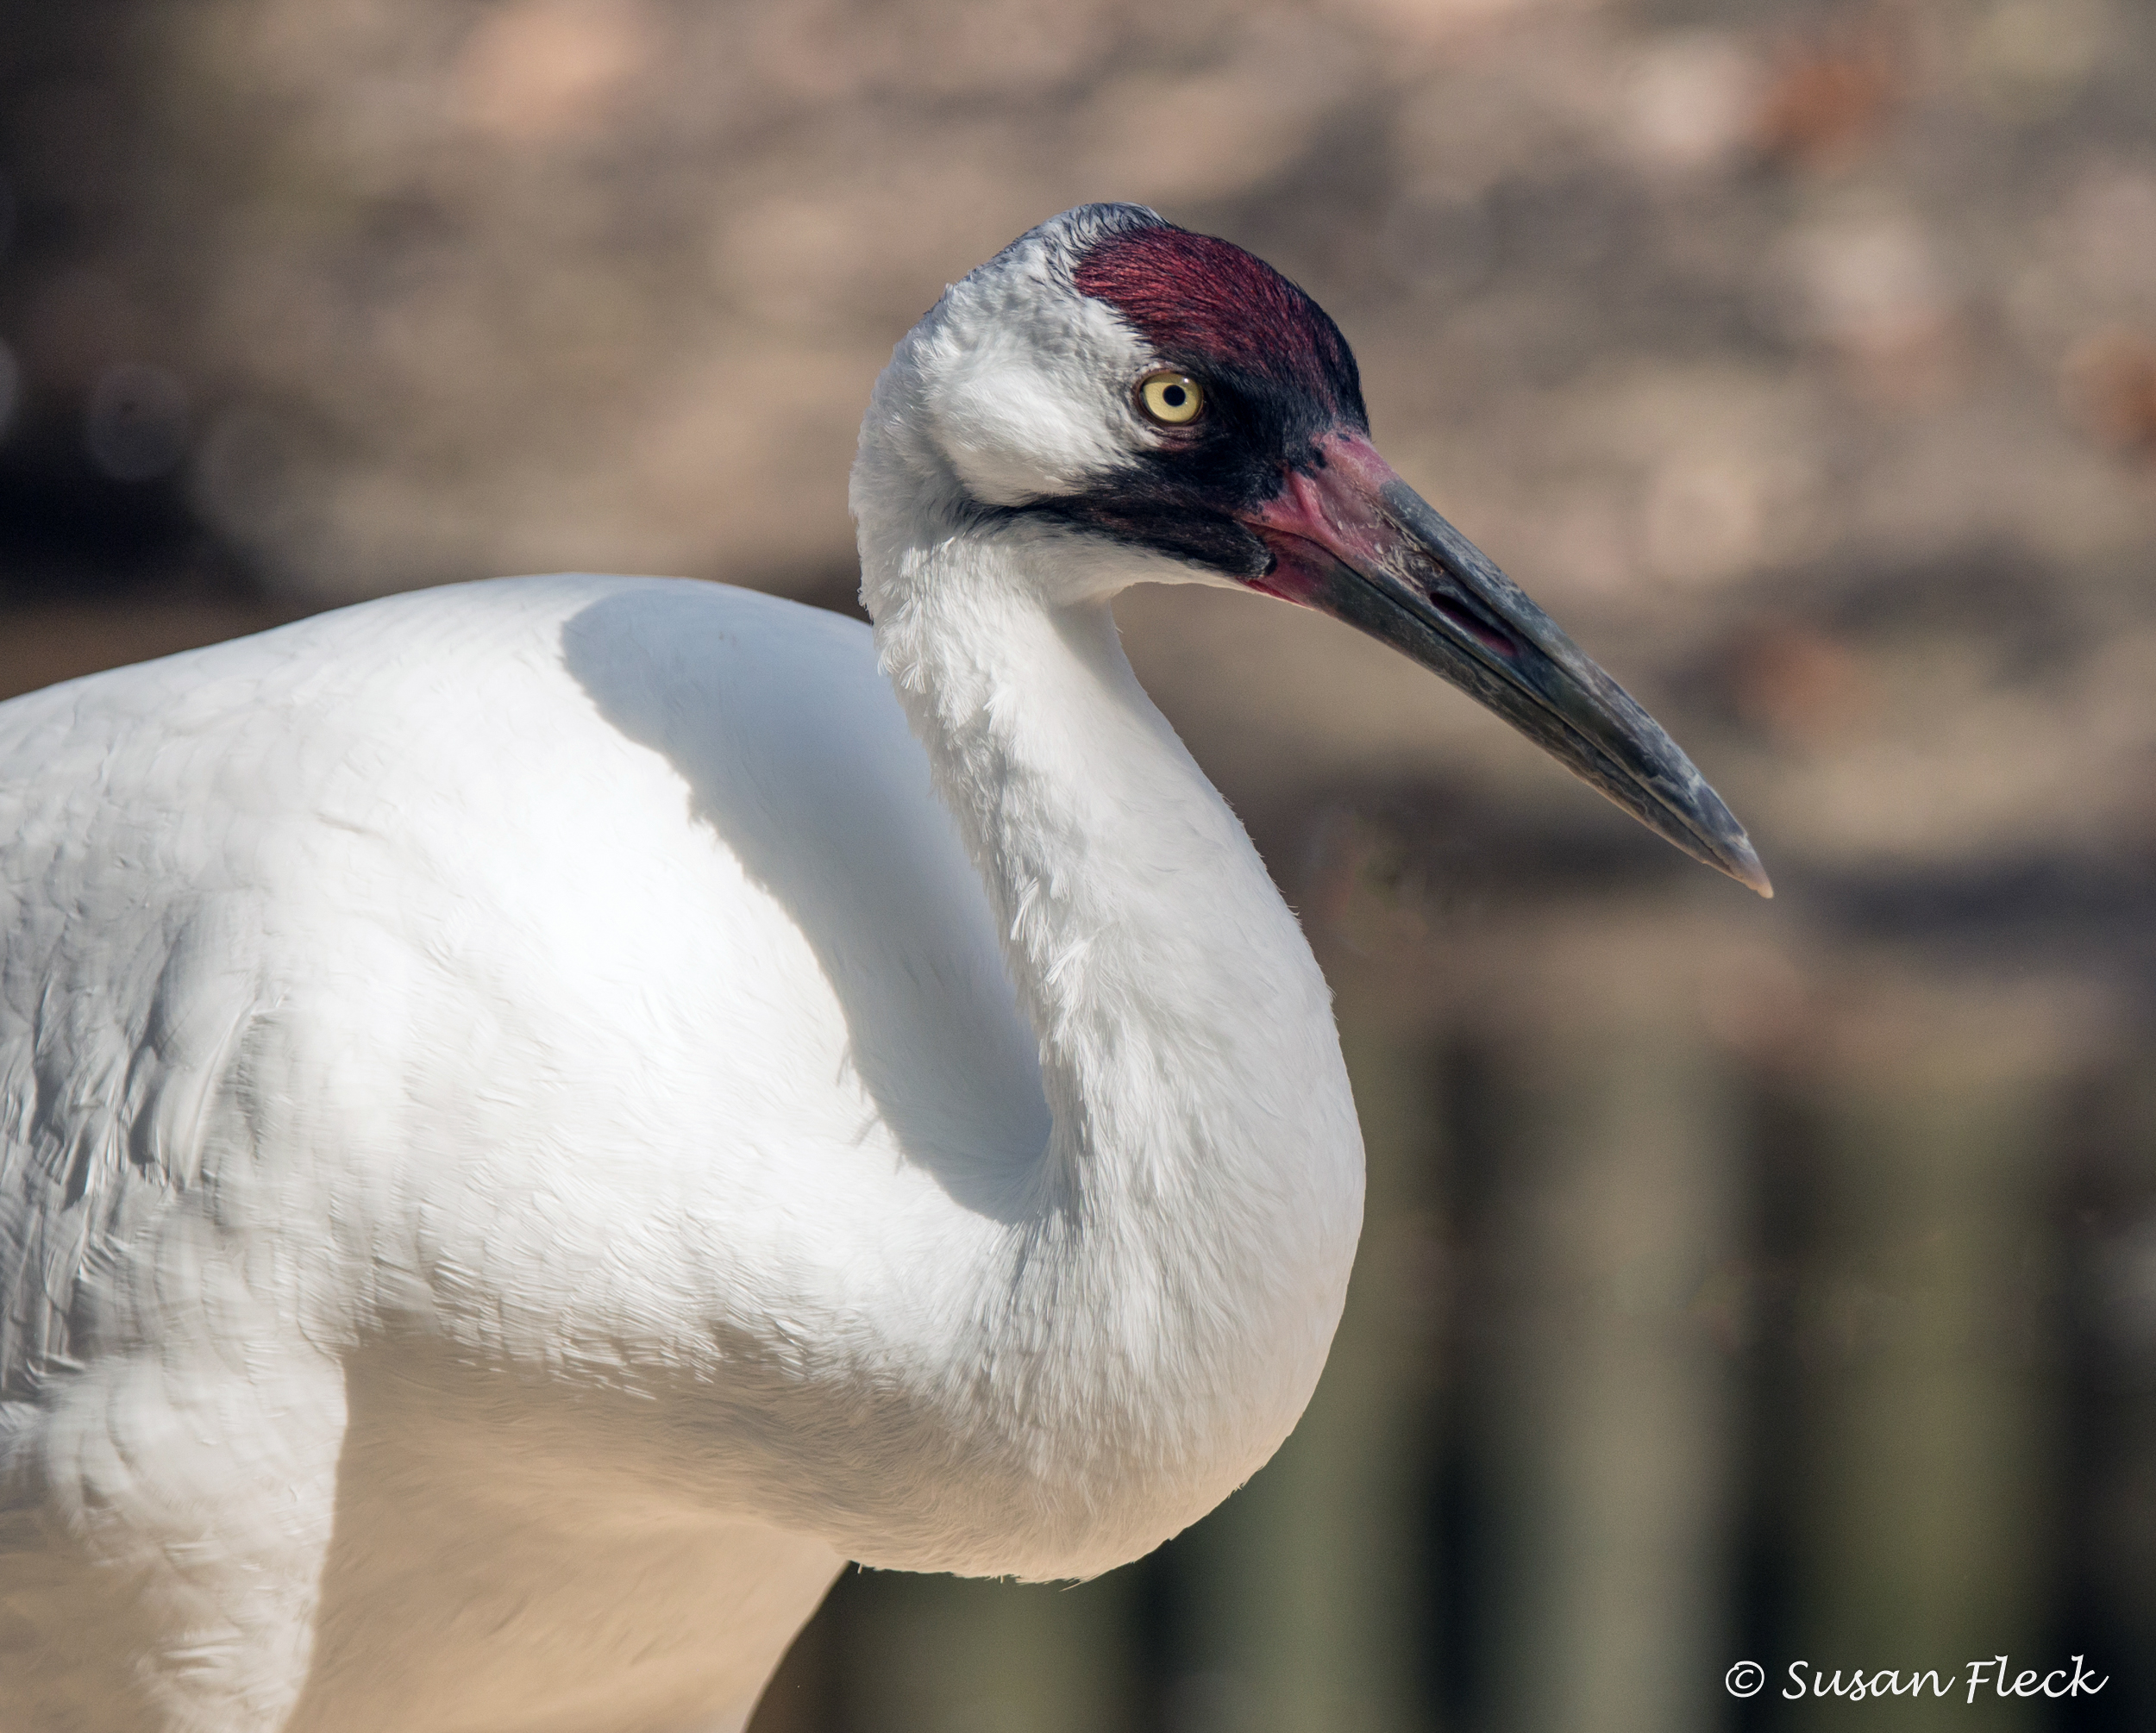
column 1171, row 1293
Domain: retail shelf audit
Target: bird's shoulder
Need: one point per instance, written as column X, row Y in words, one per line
column 348, row 718
column 362, row 663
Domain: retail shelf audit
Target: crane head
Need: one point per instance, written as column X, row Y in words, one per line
column 1162, row 404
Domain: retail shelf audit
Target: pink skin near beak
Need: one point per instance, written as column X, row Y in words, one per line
column 1333, row 512
column 1336, row 515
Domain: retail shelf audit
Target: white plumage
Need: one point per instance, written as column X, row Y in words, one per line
column 538, row 1118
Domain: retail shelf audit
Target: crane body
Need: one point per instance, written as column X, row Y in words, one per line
column 539, row 1118
column 628, row 1273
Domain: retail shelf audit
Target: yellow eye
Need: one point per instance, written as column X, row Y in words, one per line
column 1171, row 399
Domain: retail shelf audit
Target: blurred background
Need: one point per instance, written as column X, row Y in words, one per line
column 1741, row 1281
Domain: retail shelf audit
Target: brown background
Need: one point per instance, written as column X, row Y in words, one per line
column 1769, row 1281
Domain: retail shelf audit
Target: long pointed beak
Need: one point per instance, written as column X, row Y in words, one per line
column 1353, row 539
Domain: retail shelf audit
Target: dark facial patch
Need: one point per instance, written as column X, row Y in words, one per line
column 1278, row 378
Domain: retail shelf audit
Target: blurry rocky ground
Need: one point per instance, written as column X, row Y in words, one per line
column 1800, row 358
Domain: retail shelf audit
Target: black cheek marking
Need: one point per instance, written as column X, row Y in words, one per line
column 1138, row 516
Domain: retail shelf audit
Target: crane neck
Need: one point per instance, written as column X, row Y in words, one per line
column 1204, row 1174
column 1149, row 947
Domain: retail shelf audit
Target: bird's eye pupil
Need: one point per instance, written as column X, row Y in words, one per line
column 1173, row 397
